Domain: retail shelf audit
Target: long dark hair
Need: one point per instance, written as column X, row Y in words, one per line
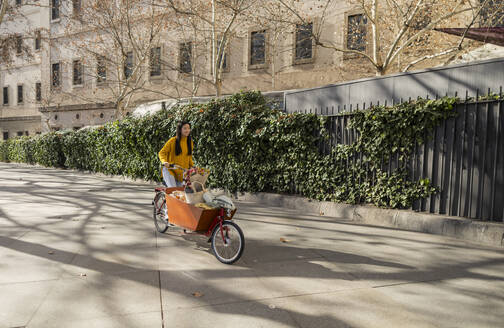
column 178, row 149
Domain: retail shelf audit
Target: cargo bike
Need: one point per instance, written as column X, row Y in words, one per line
column 226, row 237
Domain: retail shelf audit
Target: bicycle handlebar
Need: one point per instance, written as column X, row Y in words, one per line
column 176, row 167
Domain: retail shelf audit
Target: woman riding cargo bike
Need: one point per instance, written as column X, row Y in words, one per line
column 185, row 202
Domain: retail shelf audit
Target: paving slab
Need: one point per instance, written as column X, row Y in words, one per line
column 453, row 303
column 19, row 301
column 245, row 314
column 112, row 261
column 195, row 288
column 136, row 320
column 26, row 262
column 350, row 308
column 98, row 296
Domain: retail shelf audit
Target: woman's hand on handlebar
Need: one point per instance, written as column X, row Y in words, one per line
column 170, row 166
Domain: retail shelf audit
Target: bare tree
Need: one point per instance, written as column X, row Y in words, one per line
column 117, row 46
column 280, row 24
column 388, row 29
column 213, row 25
column 15, row 29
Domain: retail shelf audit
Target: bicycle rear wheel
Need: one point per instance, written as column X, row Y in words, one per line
column 159, row 213
column 230, row 248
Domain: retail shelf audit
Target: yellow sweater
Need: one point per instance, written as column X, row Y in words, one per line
column 167, row 154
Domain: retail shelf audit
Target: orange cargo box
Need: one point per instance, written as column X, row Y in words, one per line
column 189, row 216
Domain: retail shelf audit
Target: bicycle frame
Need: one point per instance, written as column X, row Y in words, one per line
column 217, row 221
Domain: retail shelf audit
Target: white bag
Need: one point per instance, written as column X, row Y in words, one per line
column 218, row 201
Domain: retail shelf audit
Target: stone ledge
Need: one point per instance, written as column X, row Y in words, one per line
column 20, row 118
column 481, row 232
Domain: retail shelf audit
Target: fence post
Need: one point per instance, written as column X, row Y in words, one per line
column 494, row 175
column 464, row 129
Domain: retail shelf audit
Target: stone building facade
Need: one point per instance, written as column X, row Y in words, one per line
column 80, row 99
column 21, row 81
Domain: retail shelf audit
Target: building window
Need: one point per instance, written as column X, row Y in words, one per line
column 5, row 135
column 20, row 133
column 6, row 96
column 76, row 6
column 27, row 133
column 38, row 40
column 77, row 116
column 55, row 75
column 101, row 69
column 20, row 94
column 356, row 33
column 38, row 91
column 258, row 48
column 492, row 15
column 304, row 44
column 155, row 61
column 19, row 44
column 55, row 9
column 19, row 2
column 128, row 64
column 77, row 72
column 185, row 55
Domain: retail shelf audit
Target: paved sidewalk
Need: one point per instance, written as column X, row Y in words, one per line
column 79, row 250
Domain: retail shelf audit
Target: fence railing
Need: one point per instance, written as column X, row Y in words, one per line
column 464, row 157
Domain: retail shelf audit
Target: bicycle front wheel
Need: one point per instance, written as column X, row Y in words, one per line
column 160, row 215
column 228, row 243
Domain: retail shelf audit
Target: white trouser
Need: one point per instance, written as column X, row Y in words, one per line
column 170, row 179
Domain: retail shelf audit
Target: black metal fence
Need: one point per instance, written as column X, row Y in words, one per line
column 464, row 157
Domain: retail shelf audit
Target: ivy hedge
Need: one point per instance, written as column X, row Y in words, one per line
column 250, row 147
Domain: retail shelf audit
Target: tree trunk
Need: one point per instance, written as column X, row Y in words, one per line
column 119, row 110
column 273, row 62
column 273, row 76
column 218, row 87
column 380, row 71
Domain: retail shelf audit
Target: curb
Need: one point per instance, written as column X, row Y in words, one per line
column 480, row 232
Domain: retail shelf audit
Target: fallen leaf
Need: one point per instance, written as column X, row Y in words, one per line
column 283, row 240
column 83, row 275
column 51, row 252
column 321, row 213
column 197, row 294
column 271, row 306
